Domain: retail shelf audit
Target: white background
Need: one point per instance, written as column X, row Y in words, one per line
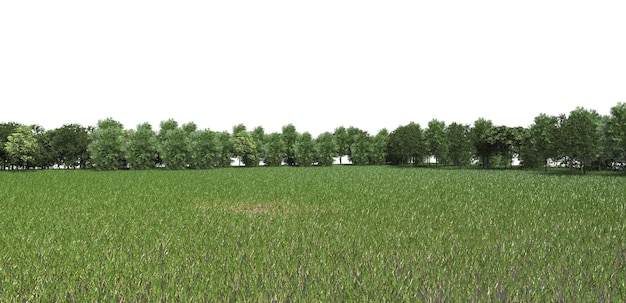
column 317, row 64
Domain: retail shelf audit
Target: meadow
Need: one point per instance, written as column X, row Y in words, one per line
column 337, row 233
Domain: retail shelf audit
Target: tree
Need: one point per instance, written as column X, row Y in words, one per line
column 435, row 136
column 290, row 136
column 224, row 149
column 22, row 146
column 580, row 131
column 106, row 145
column 175, row 149
column 326, row 149
column 245, row 148
column 203, row 149
column 141, row 150
column 359, row 146
column 484, row 146
column 615, row 132
column 69, row 145
column 258, row 134
column 342, row 142
column 6, row 129
column 305, row 149
column 542, row 140
column 459, row 144
column 378, row 148
column 275, row 147
column 406, row 145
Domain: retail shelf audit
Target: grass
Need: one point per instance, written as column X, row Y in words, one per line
column 311, row 234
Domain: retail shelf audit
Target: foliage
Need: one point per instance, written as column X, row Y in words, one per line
column 378, row 147
column 106, row 144
column 458, row 137
column 289, row 138
column 481, row 138
column 342, row 142
column 69, row 145
column 406, row 145
column 141, row 150
column 435, row 136
column 348, row 234
column 326, row 149
column 22, row 146
column 245, row 148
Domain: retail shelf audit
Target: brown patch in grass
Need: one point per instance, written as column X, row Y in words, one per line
column 257, row 209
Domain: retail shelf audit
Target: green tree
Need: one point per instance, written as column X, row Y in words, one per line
column 69, row 145
column 342, row 142
column 245, row 148
column 326, row 149
column 436, row 141
column 289, row 137
column 406, row 145
column 481, row 136
column 141, row 150
column 22, row 146
column 580, row 131
column 305, row 149
column 459, row 144
column 615, row 133
column 106, row 144
column 6, row 129
column 275, row 148
column 378, row 148
column 203, row 149
column 224, row 149
column 542, row 143
column 360, row 146
column 258, row 134
column 175, row 149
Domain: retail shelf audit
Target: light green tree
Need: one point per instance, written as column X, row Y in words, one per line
column 436, row 141
column 141, row 150
column 22, row 146
column 305, row 149
column 245, row 148
column 326, row 149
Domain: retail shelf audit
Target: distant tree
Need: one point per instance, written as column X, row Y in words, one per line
column 326, row 149
column 258, row 134
column 459, row 144
column 290, row 136
column 305, row 149
column 580, row 131
column 224, row 149
column 360, row 146
column 436, row 140
column 378, row 147
column 6, row 129
column 141, row 150
column 245, row 148
column 482, row 141
column 106, row 144
column 203, row 149
column 542, row 143
column 165, row 127
column 342, row 142
column 615, row 133
column 406, row 145
column 275, row 147
column 22, row 146
column 175, row 150
column 69, row 145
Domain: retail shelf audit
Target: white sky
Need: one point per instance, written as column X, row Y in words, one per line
column 317, row 64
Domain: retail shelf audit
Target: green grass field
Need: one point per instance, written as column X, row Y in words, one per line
column 311, row 234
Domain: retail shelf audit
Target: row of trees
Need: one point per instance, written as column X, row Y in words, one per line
column 581, row 139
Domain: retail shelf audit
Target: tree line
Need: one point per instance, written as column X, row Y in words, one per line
column 582, row 139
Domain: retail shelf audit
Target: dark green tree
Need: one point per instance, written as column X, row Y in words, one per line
column 481, row 137
column 6, row 129
column 203, row 149
column 69, row 145
column 615, row 133
column 459, row 144
column 290, row 136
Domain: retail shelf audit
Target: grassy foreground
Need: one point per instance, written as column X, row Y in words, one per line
column 311, row 234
